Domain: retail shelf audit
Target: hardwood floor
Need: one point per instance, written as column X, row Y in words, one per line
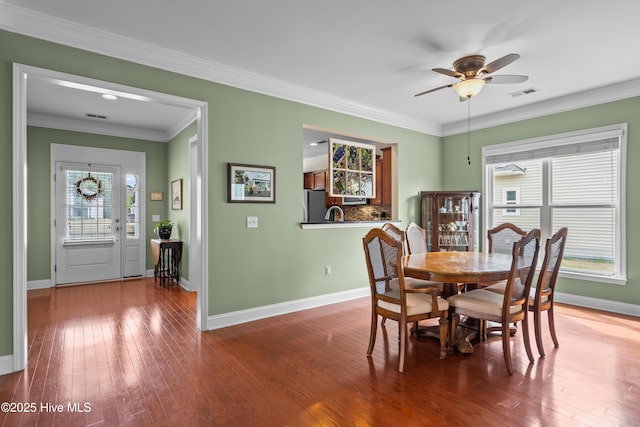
column 131, row 351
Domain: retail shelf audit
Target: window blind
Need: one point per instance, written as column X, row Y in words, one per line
column 557, row 146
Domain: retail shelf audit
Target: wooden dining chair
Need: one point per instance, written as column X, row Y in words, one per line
column 400, row 235
column 541, row 298
column 395, row 232
column 510, row 307
column 416, row 239
column 383, row 254
column 502, row 237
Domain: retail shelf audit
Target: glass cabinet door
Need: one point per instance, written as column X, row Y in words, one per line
column 450, row 220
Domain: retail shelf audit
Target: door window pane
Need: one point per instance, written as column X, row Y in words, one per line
column 88, row 205
column 133, row 207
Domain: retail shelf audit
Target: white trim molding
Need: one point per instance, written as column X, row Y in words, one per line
column 588, row 98
column 27, row 22
column 19, row 165
column 252, row 314
column 24, row 21
column 38, row 284
column 257, row 313
column 7, row 365
column 598, row 304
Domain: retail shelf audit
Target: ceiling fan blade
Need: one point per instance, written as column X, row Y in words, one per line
column 433, row 90
column 505, row 79
column 499, row 63
column 447, row 72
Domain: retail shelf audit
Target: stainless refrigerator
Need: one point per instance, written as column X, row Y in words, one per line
column 315, row 205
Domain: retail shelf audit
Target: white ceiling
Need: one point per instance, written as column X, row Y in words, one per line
column 366, row 58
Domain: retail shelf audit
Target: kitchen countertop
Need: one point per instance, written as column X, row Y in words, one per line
column 346, row 224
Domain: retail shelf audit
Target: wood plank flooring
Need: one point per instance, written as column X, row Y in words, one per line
column 131, row 352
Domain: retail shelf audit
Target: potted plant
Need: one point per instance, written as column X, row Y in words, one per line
column 163, row 228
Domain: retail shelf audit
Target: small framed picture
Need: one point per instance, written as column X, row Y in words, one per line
column 251, row 183
column 156, row 196
column 176, row 194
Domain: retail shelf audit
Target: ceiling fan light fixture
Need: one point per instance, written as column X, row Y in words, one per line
column 468, row 88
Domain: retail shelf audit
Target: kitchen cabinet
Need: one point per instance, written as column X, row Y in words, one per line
column 308, row 181
column 316, row 180
column 450, row 219
column 383, row 179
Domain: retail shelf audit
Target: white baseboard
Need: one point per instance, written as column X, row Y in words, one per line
column 6, row 364
column 257, row 313
column 38, row 284
column 249, row 315
column 598, row 304
column 184, row 283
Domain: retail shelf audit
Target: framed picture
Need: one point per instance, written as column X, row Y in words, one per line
column 156, row 196
column 251, row 183
column 176, row 194
column 352, row 169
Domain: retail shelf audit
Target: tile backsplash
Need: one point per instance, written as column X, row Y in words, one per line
column 367, row 212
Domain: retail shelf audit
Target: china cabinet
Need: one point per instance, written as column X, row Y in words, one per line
column 450, row 219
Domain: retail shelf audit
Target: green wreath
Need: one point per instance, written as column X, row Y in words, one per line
column 89, row 188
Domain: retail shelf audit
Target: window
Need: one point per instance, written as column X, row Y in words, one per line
column 133, row 207
column 511, row 196
column 88, row 205
column 575, row 180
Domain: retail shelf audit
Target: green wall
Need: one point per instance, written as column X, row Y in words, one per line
column 39, row 141
column 278, row 261
column 178, row 168
column 247, row 268
column 625, row 111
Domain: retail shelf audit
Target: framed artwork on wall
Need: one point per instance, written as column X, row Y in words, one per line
column 352, row 169
column 176, row 194
column 251, row 183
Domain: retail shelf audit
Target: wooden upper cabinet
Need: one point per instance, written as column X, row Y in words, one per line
column 308, row 181
column 319, row 180
column 315, row 180
column 383, row 178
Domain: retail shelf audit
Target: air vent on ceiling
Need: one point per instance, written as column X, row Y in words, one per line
column 524, row 92
column 96, row 116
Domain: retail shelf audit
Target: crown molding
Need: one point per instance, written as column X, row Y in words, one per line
column 96, row 127
column 600, row 95
column 27, row 22
column 173, row 131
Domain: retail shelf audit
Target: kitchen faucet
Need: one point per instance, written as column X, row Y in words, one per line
column 327, row 216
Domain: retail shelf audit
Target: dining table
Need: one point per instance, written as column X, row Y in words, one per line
column 453, row 268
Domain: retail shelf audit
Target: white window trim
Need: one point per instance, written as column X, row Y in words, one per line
column 563, row 139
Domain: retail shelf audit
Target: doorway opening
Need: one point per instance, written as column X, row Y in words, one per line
column 197, row 173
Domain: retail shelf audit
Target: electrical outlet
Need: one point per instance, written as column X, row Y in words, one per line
column 327, row 269
column 252, row 222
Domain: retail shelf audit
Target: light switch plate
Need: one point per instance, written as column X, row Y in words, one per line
column 252, row 222
column 155, row 218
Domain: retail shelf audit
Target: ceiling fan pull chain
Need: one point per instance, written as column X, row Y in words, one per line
column 469, row 132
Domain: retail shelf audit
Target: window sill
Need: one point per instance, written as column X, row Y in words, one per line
column 593, row 278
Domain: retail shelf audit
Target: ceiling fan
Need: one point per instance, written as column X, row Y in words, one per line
column 474, row 74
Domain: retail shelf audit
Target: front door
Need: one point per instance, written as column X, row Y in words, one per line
column 88, row 223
